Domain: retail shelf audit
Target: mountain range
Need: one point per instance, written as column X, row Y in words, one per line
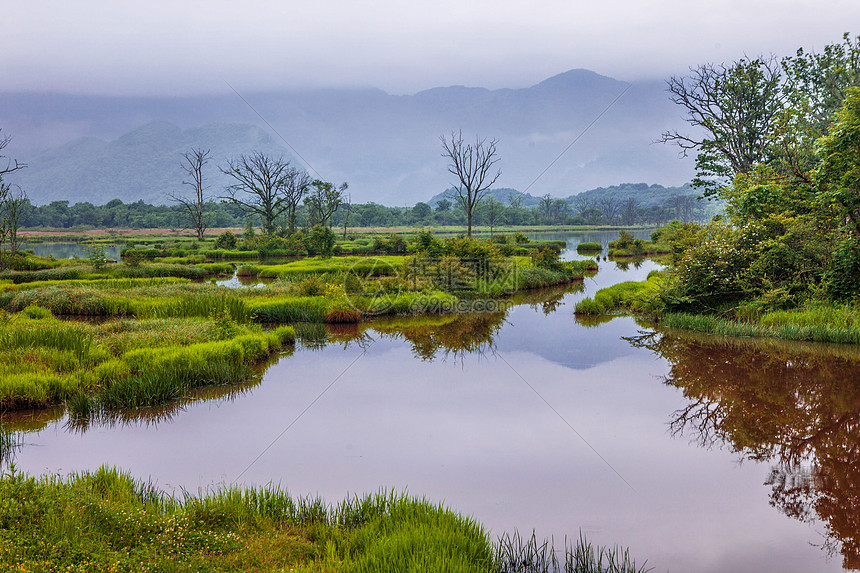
column 567, row 134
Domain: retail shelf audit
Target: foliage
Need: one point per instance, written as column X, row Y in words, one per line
column 735, row 105
column 97, row 257
column 839, row 170
column 842, row 277
column 320, row 241
column 226, row 240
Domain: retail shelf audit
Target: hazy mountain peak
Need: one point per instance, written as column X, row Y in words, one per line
column 386, row 146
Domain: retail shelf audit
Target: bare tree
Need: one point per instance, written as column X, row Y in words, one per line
column 323, row 200
column 192, row 163
column 12, row 199
column 472, row 165
column 629, row 210
column 582, row 203
column 11, row 164
column 545, row 208
column 14, row 205
column 610, row 207
column 264, row 186
column 296, row 185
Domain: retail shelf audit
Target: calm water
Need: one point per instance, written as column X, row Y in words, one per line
column 697, row 454
column 70, row 250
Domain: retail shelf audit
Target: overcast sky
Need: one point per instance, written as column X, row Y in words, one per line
column 402, row 46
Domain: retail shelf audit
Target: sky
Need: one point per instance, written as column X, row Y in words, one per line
column 185, row 47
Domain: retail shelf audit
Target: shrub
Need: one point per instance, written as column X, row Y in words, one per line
column 226, row 241
column 97, row 257
column 843, row 274
column 37, row 312
column 320, row 241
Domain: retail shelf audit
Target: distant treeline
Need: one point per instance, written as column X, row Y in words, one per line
column 607, row 210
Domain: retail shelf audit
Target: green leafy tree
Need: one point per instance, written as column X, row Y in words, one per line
column 815, row 88
column 323, row 200
column 839, row 172
column 421, row 211
column 735, row 107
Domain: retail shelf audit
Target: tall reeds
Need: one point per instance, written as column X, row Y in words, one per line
column 515, row 554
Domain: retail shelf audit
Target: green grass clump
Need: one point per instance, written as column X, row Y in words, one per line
column 72, row 300
column 107, row 521
column 589, row 248
column 630, row 296
column 217, row 269
column 284, row 310
column 124, row 363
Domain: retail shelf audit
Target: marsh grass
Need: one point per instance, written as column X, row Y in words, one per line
column 288, row 310
column 125, row 363
column 589, row 248
column 515, row 554
column 155, row 388
column 10, row 443
column 630, row 296
column 805, row 329
column 107, row 521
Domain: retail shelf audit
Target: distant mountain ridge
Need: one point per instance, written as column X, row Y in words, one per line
column 141, row 165
column 386, row 146
column 647, row 195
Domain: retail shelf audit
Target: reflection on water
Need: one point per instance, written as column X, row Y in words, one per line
column 794, row 406
column 70, row 250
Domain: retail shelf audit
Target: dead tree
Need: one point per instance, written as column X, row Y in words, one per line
column 472, row 165
column 264, row 186
column 192, row 163
column 14, row 205
column 11, row 164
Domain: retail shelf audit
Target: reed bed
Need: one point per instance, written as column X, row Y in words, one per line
column 515, row 554
column 783, row 328
column 124, row 363
column 286, row 310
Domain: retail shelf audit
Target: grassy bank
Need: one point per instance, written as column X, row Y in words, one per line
column 107, row 521
column 837, row 324
column 815, row 321
column 123, row 363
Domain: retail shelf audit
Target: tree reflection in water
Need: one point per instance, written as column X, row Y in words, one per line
column 795, row 405
column 451, row 334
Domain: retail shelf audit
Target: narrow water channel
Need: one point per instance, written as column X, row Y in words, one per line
column 697, row 454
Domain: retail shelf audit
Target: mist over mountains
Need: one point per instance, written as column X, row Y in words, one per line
column 96, row 148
